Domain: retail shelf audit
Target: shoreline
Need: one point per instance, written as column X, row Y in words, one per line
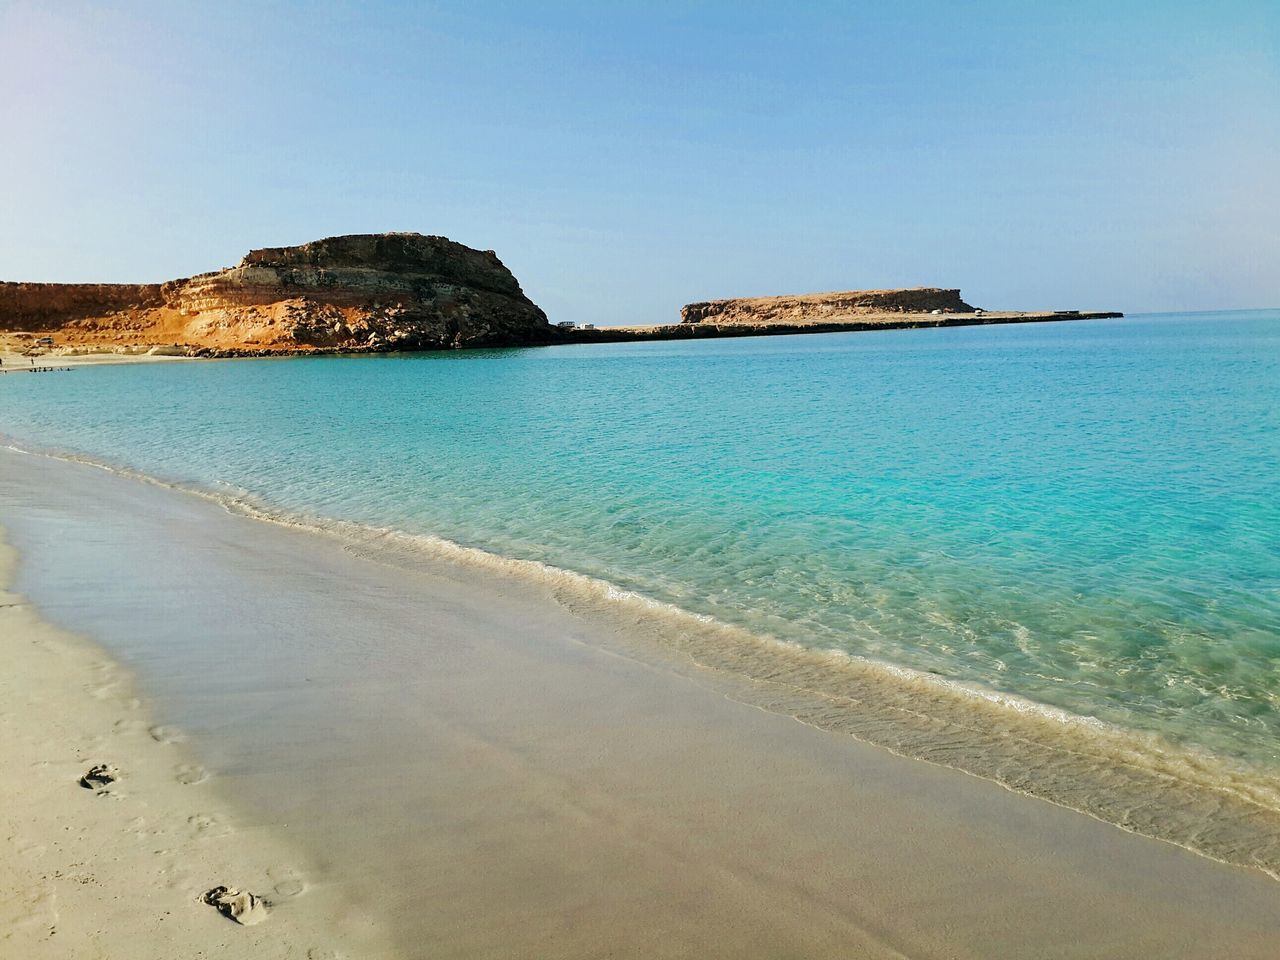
column 11, row 362
column 1034, row 750
column 709, row 330
column 928, row 821
column 97, row 353
column 120, row 868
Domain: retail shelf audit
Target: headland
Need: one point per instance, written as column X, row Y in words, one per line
column 392, row 292
column 360, row 293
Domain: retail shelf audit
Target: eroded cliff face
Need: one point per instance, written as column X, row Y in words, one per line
column 47, row 306
column 396, row 291
column 813, row 308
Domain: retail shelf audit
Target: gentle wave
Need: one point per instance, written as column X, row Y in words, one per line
column 1223, row 810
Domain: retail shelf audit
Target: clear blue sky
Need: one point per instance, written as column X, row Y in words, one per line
column 624, row 158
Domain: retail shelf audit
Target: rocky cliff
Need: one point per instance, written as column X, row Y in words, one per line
column 825, row 308
column 394, row 291
column 47, row 306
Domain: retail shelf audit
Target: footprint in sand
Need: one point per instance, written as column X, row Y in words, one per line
column 191, row 773
column 167, row 735
column 202, row 822
column 100, row 777
column 288, row 882
column 107, row 682
column 207, row 825
column 238, row 905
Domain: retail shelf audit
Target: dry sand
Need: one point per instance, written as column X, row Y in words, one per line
column 479, row 772
column 114, row 864
column 12, row 360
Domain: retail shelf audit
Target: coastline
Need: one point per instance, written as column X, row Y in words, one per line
column 710, row 330
column 90, row 352
column 120, row 870
column 12, row 362
column 1124, row 778
column 598, row 726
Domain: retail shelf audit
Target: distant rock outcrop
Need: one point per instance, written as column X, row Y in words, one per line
column 824, row 308
column 392, row 291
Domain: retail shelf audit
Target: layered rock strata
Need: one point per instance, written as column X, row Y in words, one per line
column 395, row 291
column 823, row 308
column 47, row 306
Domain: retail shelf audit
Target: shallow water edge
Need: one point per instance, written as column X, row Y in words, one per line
column 1223, row 810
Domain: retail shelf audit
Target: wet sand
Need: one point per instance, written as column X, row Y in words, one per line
column 114, row 834
column 480, row 773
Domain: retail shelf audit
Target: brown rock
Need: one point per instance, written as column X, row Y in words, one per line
column 397, row 290
column 826, row 308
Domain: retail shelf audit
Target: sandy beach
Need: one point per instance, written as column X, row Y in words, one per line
column 457, row 763
column 113, row 833
column 14, row 360
column 699, row 481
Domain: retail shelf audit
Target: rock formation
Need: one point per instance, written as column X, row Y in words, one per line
column 47, row 306
column 824, row 308
column 393, row 291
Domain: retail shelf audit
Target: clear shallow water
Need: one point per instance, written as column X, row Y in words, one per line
column 1086, row 515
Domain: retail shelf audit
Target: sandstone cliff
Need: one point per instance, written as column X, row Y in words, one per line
column 395, row 291
column 47, row 306
column 824, row 308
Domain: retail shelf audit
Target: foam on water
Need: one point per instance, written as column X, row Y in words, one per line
column 1224, row 811
column 1069, row 586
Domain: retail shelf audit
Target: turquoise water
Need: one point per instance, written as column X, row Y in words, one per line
column 1086, row 515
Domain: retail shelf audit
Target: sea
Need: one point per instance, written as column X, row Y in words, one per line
column 1078, row 521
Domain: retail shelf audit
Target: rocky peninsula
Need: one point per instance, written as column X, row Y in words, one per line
column 824, row 307
column 369, row 293
column 850, row 310
column 359, row 293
